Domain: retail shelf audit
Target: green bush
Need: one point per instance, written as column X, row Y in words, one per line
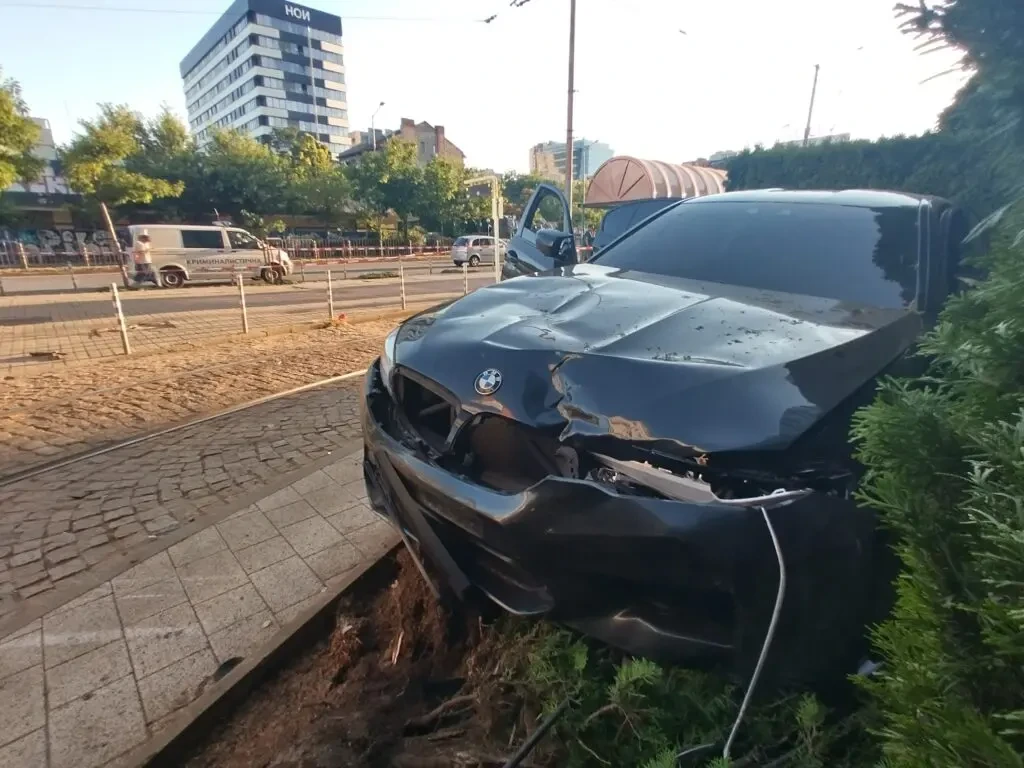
column 945, row 459
column 979, row 175
column 633, row 712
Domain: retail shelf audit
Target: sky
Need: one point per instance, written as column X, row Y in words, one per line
column 670, row 80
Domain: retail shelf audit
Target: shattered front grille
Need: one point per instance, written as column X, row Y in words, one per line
column 426, row 410
column 511, row 457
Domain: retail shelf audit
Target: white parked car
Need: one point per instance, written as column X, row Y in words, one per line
column 475, row 250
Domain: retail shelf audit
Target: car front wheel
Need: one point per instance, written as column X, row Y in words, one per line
column 474, row 260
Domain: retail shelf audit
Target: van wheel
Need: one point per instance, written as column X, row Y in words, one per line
column 274, row 276
column 172, row 278
column 474, row 260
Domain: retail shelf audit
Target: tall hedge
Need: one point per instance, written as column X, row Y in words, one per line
column 977, row 174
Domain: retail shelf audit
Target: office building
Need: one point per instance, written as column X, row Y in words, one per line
column 548, row 159
column 43, row 201
column 269, row 64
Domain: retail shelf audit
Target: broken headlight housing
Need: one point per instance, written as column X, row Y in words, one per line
column 387, row 360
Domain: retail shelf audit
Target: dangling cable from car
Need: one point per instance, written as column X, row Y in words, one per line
column 765, row 646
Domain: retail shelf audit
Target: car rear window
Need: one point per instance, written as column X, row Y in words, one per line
column 857, row 254
column 461, row 241
column 618, row 220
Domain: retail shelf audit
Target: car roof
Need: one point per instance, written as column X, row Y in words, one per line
column 864, row 198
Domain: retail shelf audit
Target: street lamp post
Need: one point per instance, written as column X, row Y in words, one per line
column 373, row 130
column 496, row 212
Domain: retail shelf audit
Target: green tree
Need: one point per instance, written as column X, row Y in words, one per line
column 18, row 135
column 310, row 155
column 167, row 151
column 284, row 140
column 584, row 218
column 326, row 193
column 95, row 162
column 389, row 180
column 517, row 189
column 238, row 173
column 445, row 201
column 987, row 34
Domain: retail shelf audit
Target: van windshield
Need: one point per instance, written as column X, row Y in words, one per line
column 461, row 241
column 242, row 240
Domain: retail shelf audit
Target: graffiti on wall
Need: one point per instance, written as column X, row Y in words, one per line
column 59, row 241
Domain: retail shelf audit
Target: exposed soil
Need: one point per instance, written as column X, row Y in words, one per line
column 64, row 412
column 397, row 684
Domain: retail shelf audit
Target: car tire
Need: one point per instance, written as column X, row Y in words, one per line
column 474, row 260
column 172, row 278
column 273, row 276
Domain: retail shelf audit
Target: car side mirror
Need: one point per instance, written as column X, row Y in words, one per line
column 555, row 245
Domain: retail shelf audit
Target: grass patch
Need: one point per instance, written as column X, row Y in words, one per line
column 377, row 275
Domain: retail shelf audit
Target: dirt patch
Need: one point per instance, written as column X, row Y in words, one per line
column 390, row 687
column 65, row 412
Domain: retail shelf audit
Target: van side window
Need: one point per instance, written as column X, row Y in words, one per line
column 202, row 238
column 242, row 241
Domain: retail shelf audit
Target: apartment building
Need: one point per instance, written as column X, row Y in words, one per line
column 269, row 64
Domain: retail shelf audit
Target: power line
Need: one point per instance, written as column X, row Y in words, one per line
column 197, row 12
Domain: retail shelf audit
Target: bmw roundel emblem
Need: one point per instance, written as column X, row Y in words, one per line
column 487, row 383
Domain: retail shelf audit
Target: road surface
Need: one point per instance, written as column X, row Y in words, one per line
column 155, row 302
column 17, row 282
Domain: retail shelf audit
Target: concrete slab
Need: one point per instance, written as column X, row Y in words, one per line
column 114, row 666
column 91, row 731
column 27, row 751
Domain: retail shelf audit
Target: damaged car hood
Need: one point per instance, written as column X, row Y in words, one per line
column 595, row 351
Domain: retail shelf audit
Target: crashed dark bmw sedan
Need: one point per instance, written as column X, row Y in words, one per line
column 633, row 445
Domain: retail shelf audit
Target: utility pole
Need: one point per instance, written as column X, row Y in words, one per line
column 373, row 126
column 810, row 109
column 568, row 123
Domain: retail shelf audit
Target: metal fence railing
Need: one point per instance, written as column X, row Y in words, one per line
column 17, row 255
column 352, row 248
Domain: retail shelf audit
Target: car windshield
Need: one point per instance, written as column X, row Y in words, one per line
column 857, row 254
column 461, row 241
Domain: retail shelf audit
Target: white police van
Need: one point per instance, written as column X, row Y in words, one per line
column 184, row 253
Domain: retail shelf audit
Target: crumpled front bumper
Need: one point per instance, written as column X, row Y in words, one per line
column 660, row 578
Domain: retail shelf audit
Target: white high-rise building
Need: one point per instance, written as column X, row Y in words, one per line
column 269, row 64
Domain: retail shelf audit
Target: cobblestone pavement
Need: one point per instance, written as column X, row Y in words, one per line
column 62, row 523
column 88, row 683
column 72, row 410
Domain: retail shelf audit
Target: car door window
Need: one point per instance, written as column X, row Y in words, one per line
column 547, row 212
column 202, row 238
column 242, row 241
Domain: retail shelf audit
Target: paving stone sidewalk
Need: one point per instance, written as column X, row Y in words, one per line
column 57, row 527
column 97, row 676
